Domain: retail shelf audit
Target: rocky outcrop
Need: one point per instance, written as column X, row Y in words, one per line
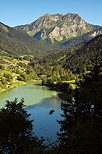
column 57, row 27
column 82, row 39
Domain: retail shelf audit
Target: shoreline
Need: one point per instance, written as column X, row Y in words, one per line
column 13, row 86
column 16, row 84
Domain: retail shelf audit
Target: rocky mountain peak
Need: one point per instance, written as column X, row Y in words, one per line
column 57, row 27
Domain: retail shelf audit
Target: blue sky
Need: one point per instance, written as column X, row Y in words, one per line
column 19, row 12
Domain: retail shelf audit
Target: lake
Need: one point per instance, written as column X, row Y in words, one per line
column 39, row 102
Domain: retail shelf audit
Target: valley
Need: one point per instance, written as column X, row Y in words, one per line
column 55, row 64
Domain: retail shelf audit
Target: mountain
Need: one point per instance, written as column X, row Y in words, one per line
column 13, row 42
column 77, row 59
column 82, row 39
column 85, row 56
column 57, row 27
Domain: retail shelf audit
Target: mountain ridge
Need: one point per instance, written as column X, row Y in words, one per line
column 57, row 27
column 79, row 59
column 17, row 43
column 81, row 40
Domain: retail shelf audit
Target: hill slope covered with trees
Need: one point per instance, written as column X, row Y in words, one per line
column 16, row 42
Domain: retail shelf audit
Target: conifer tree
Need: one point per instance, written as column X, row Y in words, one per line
column 81, row 126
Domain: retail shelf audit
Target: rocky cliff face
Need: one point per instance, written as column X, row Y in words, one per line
column 82, row 39
column 57, row 27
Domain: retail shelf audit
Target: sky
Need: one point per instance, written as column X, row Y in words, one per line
column 20, row 12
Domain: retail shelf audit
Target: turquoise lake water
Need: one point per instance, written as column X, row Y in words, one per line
column 39, row 102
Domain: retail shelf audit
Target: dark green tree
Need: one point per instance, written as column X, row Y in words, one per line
column 81, row 126
column 16, row 135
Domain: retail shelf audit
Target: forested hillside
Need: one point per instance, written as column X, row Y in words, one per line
column 63, row 62
column 15, row 42
column 77, row 59
column 49, row 63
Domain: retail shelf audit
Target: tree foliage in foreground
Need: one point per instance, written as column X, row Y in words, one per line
column 16, row 135
column 81, row 126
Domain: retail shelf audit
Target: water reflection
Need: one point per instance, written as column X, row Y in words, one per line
column 39, row 102
column 45, row 124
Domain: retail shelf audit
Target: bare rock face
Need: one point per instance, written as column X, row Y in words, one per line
column 95, row 33
column 57, row 27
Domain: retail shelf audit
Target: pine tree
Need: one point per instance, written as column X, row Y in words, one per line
column 81, row 126
column 16, row 135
